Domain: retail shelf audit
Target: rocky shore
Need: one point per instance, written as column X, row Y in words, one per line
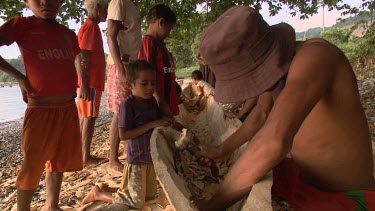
column 77, row 184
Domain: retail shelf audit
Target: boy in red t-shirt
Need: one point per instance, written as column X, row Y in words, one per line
column 50, row 134
column 161, row 20
column 91, row 73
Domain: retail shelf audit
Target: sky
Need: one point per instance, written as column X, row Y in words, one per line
column 12, row 51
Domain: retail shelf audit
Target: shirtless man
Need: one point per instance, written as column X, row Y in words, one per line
column 317, row 117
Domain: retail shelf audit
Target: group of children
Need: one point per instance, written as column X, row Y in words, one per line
column 51, row 135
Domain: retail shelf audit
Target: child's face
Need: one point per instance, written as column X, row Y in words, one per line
column 195, row 81
column 144, row 86
column 165, row 29
column 44, row 9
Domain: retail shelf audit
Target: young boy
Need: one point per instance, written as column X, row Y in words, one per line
column 91, row 73
column 50, row 135
column 161, row 20
column 139, row 115
column 203, row 88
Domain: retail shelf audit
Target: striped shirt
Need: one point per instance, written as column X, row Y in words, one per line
column 156, row 53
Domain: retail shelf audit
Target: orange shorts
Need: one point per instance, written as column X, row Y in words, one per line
column 90, row 108
column 50, row 138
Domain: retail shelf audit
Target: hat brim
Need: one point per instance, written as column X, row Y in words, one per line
column 264, row 76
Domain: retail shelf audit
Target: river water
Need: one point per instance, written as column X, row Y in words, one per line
column 11, row 104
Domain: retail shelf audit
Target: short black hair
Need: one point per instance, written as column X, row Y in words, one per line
column 161, row 11
column 197, row 75
column 135, row 67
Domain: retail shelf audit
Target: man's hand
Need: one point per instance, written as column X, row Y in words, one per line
column 25, row 88
column 84, row 93
column 121, row 73
column 207, row 154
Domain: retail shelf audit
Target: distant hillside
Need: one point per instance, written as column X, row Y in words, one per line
column 348, row 22
column 16, row 63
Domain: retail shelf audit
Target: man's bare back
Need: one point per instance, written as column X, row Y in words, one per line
column 333, row 147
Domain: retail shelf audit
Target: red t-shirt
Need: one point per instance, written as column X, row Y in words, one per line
column 48, row 52
column 90, row 38
column 156, row 53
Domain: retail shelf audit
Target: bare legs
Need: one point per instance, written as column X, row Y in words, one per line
column 53, row 186
column 87, row 129
column 24, row 198
column 114, row 138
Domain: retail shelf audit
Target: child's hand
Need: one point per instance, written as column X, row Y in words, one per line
column 84, row 93
column 25, row 88
column 164, row 121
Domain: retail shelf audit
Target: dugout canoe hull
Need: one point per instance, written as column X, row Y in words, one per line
column 210, row 126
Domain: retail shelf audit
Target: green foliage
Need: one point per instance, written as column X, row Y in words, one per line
column 359, row 50
column 185, row 72
column 337, row 36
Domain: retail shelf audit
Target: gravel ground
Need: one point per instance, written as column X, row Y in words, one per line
column 11, row 157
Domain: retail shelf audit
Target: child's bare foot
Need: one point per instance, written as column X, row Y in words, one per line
column 103, row 187
column 116, row 167
column 92, row 195
column 92, row 161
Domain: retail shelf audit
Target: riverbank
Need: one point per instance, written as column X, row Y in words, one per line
column 77, row 184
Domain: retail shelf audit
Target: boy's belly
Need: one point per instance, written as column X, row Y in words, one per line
column 51, row 100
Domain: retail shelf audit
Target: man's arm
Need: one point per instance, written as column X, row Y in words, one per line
column 245, row 132
column 82, row 64
column 250, row 103
column 114, row 27
column 22, row 80
column 310, row 75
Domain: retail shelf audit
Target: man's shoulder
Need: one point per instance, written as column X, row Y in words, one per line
column 318, row 45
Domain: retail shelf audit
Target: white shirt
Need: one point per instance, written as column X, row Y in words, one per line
column 207, row 88
column 129, row 38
